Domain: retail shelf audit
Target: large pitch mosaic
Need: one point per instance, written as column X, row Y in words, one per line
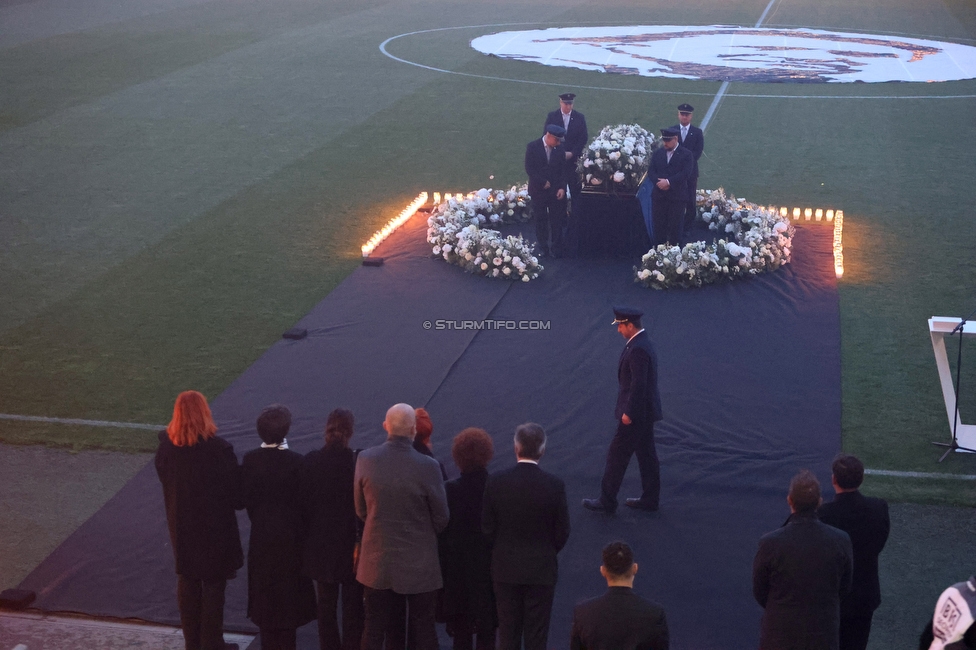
column 722, row 53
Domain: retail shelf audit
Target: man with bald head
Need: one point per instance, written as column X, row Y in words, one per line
column 399, row 493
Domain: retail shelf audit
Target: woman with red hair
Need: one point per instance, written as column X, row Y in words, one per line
column 201, row 486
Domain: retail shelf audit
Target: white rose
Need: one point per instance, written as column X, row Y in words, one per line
column 614, row 155
column 507, row 271
column 468, row 256
column 516, row 260
column 497, row 261
column 494, row 273
column 484, row 266
column 437, row 250
column 780, row 226
column 525, row 278
column 587, row 163
column 511, row 212
column 618, row 177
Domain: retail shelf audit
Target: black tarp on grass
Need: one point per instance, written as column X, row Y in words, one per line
column 750, row 382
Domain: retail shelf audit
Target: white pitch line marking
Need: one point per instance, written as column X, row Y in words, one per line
column 76, row 421
column 935, row 475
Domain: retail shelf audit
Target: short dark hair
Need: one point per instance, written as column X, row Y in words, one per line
column 472, row 449
column 530, row 439
column 273, row 424
column 805, row 491
column 848, row 471
column 618, row 558
column 339, row 428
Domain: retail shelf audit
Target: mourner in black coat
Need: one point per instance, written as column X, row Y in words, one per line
column 201, row 489
column 279, row 598
column 670, row 169
column 333, row 534
column 468, row 600
column 546, row 167
column 799, row 575
column 865, row 520
column 693, row 139
column 619, row 619
column 526, row 516
column 638, row 408
column 575, row 124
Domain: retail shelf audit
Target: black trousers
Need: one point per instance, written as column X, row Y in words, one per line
column 467, row 637
column 854, row 632
column 380, row 606
column 632, row 440
column 691, row 207
column 201, row 604
column 523, row 614
column 667, row 218
column 550, row 221
column 278, row 639
column 352, row 614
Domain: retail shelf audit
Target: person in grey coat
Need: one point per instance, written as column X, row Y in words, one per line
column 800, row 573
column 400, row 496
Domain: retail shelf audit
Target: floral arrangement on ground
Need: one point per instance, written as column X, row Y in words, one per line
column 617, row 159
column 751, row 240
column 455, row 230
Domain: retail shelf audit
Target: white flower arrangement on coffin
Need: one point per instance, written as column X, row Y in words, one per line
column 455, row 231
column 617, row 159
column 752, row 240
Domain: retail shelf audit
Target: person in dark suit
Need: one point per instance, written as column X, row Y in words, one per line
column 399, row 494
column 638, row 408
column 865, row 520
column 201, row 489
column 693, row 139
column 526, row 517
column 575, row 124
column 546, row 166
column 279, row 598
column 334, row 531
column 619, row 619
column 671, row 167
column 800, row 573
column 468, row 598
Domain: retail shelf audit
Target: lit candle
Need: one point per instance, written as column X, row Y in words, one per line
column 784, row 211
column 808, row 213
column 830, row 215
column 819, row 214
column 796, row 213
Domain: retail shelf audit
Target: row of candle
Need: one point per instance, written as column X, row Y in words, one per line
column 819, row 214
column 394, row 223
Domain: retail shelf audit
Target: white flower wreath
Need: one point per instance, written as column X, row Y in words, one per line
column 752, row 240
column 455, row 231
column 617, row 159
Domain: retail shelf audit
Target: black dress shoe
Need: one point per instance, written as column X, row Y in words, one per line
column 640, row 505
column 599, row 506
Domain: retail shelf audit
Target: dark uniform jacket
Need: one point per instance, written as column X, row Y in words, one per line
column 466, row 554
column 526, row 516
column 799, row 575
column 678, row 172
column 638, row 396
column 619, row 620
column 330, row 513
column 865, row 520
column 278, row 595
column 539, row 170
column 201, row 489
column 576, row 134
column 695, row 143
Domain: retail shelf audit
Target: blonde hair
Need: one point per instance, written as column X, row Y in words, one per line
column 192, row 420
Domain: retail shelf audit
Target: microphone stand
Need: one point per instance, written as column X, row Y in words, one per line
column 954, row 445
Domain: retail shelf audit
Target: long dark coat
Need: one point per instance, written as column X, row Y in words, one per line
column 619, row 620
column 799, row 575
column 638, row 395
column 278, row 596
column 201, row 488
column 466, row 554
column 330, row 511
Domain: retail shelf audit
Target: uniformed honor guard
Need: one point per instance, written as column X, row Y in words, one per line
column 547, row 167
column 671, row 167
column 693, row 139
column 638, row 408
column 575, row 124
